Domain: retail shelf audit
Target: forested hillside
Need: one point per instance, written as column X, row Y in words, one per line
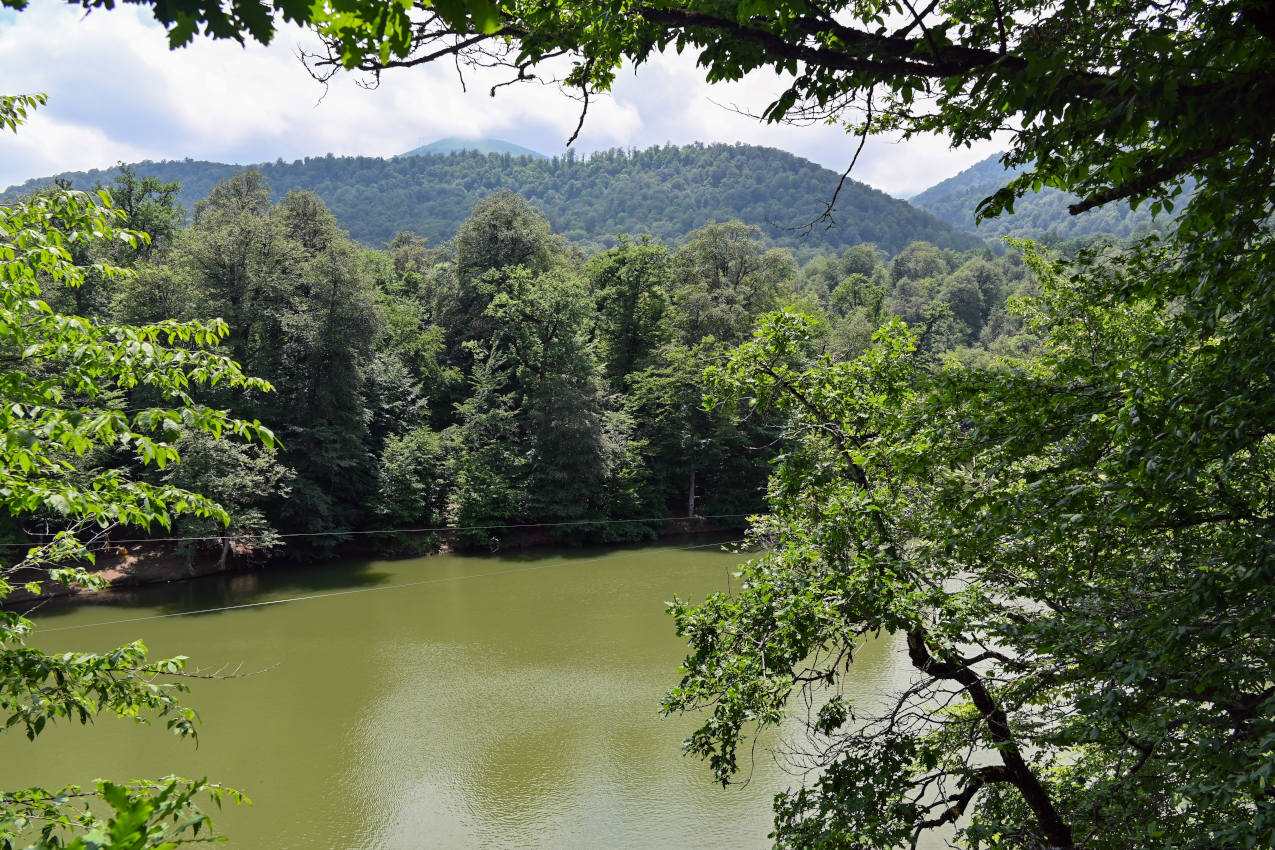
column 504, row 377
column 666, row 192
column 1036, row 215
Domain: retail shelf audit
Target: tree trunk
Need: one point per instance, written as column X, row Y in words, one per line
column 690, row 495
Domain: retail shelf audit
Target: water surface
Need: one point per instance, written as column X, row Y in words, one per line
column 450, row 701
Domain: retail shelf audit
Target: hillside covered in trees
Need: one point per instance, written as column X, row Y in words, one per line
column 1039, row 215
column 666, row 192
column 503, row 377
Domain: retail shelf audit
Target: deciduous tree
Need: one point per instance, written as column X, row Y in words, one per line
column 1073, row 552
column 59, row 375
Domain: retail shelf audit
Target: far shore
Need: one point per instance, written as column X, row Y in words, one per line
column 138, row 564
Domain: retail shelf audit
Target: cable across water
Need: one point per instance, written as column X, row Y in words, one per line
column 423, row 530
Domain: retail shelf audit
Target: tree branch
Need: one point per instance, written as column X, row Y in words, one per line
column 987, row 775
column 1034, row 793
column 1147, row 180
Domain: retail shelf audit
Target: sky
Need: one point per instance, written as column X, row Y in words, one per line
column 117, row 93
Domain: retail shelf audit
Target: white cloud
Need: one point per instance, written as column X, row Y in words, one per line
column 47, row 146
column 116, row 92
column 712, row 113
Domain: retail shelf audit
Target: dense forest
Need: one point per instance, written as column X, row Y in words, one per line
column 503, row 377
column 1041, row 215
column 664, row 191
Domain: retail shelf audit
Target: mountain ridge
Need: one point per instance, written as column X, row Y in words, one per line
column 667, row 191
column 1036, row 215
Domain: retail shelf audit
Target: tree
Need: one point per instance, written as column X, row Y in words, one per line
column 540, row 321
column 327, row 330
column 1074, row 554
column 486, row 456
column 242, row 257
column 239, row 477
column 630, row 288
column 149, row 206
column 503, row 233
column 697, row 461
column 60, row 372
column 723, row 280
column 300, row 298
column 407, row 481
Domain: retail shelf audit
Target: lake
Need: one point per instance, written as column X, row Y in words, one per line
column 451, row 701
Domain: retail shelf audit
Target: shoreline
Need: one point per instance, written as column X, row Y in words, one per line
column 142, row 564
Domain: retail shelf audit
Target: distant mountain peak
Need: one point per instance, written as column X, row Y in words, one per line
column 455, row 145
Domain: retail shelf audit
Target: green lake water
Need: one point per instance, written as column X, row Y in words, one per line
column 450, row 702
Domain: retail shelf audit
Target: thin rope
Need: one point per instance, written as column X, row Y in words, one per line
column 432, row 529
column 355, row 590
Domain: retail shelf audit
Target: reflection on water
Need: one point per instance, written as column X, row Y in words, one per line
column 443, row 702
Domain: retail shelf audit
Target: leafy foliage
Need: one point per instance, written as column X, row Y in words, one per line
column 14, row 109
column 1069, row 577
column 361, row 25
column 143, row 814
column 60, row 387
column 1070, row 551
column 501, row 378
